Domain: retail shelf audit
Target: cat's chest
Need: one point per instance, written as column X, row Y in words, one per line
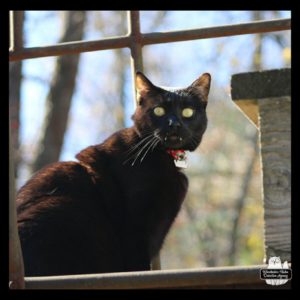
column 153, row 199
column 157, row 179
column 153, row 166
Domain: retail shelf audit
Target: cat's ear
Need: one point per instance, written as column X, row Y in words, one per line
column 201, row 86
column 143, row 85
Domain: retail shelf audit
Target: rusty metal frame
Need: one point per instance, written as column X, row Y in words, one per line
column 134, row 40
column 142, row 39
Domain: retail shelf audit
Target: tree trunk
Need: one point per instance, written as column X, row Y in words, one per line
column 119, row 109
column 202, row 237
column 240, row 203
column 258, row 39
column 60, row 94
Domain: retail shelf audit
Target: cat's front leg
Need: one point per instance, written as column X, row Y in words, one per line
column 136, row 256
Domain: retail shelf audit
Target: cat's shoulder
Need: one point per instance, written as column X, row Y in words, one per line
column 119, row 139
column 53, row 176
column 98, row 154
column 59, row 170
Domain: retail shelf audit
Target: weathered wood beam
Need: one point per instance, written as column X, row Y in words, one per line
column 265, row 99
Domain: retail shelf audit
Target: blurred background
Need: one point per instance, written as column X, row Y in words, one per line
column 60, row 105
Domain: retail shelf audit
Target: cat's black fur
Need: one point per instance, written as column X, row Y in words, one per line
column 111, row 211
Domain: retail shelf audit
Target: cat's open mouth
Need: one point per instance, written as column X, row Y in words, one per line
column 173, row 141
column 173, row 138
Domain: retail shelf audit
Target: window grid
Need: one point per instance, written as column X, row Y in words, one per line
column 134, row 40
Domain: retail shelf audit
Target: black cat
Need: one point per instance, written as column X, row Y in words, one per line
column 111, row 210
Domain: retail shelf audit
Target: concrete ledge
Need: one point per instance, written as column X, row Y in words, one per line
column 264, row 84
column 206, row 278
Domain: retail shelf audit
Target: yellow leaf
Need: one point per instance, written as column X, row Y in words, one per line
column 286, row 54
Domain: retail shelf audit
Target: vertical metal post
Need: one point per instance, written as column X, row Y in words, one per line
column 15, row 32
column 11, row 31
column 16, row 265
column 136, row 58
column 137, row 65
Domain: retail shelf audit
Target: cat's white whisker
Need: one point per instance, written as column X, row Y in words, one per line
column 148, row 139
column 136, row 146
column 154, row 145
column 140, row 142
column 153, row 141
column 140, row 152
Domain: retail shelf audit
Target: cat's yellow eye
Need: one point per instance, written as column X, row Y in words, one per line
column 187, row 112
column 159, row 111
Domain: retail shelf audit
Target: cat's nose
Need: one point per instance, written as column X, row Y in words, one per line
column 173, row 122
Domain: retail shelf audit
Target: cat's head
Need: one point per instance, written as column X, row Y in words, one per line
column 177, row 117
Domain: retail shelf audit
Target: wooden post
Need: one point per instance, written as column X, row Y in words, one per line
column 268, row 94
column 275, row 140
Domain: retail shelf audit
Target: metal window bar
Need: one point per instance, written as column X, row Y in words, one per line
column 16, row 266
column 134, row 40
